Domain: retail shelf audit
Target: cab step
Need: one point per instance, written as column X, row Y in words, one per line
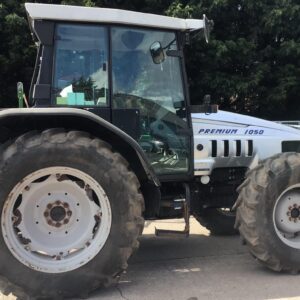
column 184, row 204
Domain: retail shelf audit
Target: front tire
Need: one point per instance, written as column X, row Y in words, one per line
column 268, row 212
column 71, row 213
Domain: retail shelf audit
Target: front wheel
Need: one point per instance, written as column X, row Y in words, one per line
column 71, row 213
column 268, row 212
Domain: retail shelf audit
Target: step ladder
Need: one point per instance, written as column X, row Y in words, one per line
column 184, row 205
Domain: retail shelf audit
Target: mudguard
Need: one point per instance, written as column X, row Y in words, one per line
column 16, row 121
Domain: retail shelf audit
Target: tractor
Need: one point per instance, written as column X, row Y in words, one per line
column 109, row 139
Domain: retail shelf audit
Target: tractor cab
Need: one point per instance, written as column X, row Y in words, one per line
column 126, row 67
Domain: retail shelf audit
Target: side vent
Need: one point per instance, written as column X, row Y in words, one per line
column 226, row 148
column 238, row 148
column 250, row 148
column 214, row 149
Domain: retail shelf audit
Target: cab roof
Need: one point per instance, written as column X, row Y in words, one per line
column 37, row 11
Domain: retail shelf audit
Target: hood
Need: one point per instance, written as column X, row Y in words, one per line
column 234, row 119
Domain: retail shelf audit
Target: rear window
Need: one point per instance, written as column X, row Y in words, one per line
column 81, row 65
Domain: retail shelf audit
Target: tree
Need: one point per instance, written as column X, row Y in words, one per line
column 17, row 51
column 251, row 65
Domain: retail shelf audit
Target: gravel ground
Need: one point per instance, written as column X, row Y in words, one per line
column 200, row 267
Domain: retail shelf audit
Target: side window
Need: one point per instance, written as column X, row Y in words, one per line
column 81, row 66
column 135, row 74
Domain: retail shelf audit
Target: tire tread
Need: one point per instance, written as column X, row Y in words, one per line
column 249, row 196
column 134, row 210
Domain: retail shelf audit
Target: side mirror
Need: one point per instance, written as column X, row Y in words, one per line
column 157, row 53
column 207, row 26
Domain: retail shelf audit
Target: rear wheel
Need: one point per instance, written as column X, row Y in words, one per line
column 268, row 212
column 71, row 213
column 219, row 221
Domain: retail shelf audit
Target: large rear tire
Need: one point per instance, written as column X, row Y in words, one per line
column 268, row 212
column 71, row 213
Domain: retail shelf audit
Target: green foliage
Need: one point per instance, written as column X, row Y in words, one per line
column 79, row 2
column 251, row 65
column 178, row 9
column 85, row 86
column 17, row 51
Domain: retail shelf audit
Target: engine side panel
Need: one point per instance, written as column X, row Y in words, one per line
column 229, row 141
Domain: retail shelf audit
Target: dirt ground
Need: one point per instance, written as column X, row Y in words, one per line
column 200, row 267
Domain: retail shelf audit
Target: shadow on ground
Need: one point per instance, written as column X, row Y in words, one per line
column 200, row 267
column 196, row 268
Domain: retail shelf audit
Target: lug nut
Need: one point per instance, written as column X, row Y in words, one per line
column 49, row 206
column 66, row 221
column 66, row 205
column 69, row 213
column 57, row 225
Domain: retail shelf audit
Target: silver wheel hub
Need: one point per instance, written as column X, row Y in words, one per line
column 56, row 219
column 286, row 216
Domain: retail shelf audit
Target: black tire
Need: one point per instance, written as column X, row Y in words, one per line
column 57, row 147
column 218, row 222
column 255, row 205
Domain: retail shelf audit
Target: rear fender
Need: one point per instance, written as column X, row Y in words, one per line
column 14, row 122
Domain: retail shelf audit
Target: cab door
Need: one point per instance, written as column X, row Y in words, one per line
column 148, row 99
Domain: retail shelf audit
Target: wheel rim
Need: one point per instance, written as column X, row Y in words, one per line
column 66, row 224
column 286, row 216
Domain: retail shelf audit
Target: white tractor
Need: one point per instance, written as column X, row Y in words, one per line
column 110, row 139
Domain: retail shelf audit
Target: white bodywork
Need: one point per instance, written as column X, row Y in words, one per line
column 234, row 140
column 108, row 15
